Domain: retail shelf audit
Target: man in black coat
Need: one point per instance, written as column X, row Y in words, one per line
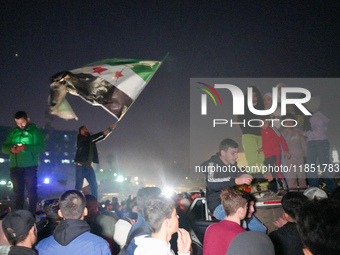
column 86, row 155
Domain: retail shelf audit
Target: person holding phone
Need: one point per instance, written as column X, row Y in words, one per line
column 24, row 143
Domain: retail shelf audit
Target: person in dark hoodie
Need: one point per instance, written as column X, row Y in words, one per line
column 72, row 235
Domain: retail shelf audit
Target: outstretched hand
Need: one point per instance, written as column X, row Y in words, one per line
column 280, row 222
column 183, row 241
column 107, row 131
column 244, row 179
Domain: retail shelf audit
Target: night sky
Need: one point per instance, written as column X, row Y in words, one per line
column 204, row 39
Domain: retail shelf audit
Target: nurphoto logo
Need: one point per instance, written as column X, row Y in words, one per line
column 238, row 99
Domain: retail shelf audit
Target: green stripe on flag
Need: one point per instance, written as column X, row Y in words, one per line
column 145, row 71
column 114, row 62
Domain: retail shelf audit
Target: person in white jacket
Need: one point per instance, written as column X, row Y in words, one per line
column 161, row 216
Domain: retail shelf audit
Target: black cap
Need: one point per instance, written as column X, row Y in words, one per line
column 18, row 223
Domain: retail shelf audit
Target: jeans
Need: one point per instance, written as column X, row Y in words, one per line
column 253, row 225
column 88, row 173
column 319, row 149
column 21, row 177
column 219, row 212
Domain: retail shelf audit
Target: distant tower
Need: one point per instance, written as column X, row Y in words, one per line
column 335, row 156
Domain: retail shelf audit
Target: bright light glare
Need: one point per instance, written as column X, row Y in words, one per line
column 2, row 160
column 47, row 180
column 168, row 192
column 2, row 182
column 120, row 178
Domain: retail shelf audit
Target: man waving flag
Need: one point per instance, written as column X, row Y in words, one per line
column 113, row 84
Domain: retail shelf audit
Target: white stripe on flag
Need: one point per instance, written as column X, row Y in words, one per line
column 130, row 83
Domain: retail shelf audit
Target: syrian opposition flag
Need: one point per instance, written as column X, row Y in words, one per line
column 113, row 84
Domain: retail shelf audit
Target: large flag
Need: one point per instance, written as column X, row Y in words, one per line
column 113, row 84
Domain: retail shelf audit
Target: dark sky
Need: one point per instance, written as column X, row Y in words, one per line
column 204, row 39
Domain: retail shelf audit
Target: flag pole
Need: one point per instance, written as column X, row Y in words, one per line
column 166, row 55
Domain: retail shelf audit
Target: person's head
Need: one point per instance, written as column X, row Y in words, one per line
column 251, row 243
column 292, row 203
column 72, row 205
column 266, row 122
column 289, row 120
column 19, row 227
column 267, row 100
column 160, row 214
column 234, row 202
column 114, row 200
column 51, row 208
column 256, row 99
column 91, row 205
column 145, row 194
column 229, row 151
column 83, row 130
column 124, row 205
column 21, row 119
column 251, row 200
column 318, row 224
column 279, row 87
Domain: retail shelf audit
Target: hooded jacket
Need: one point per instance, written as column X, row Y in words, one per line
column 73, row 237
column 33, row 139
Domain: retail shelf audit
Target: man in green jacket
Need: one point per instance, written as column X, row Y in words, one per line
column 23, row 144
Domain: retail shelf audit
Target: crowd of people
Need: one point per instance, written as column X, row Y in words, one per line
column 148, row 223
column 75, row 223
